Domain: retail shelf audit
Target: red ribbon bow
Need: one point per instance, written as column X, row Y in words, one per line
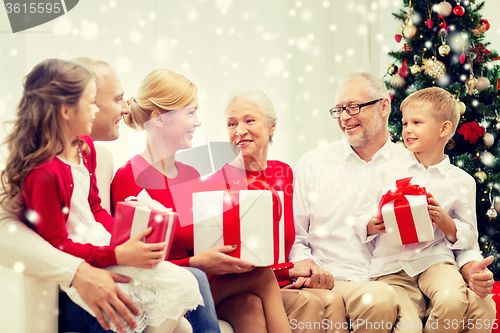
column 404, row 217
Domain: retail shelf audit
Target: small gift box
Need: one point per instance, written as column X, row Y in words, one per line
column 138, row 213
column 495, row 294
column 405, row 214
column 251, row 219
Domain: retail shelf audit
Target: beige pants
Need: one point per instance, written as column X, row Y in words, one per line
column 312, row 310
column 452, row 306
column 370, row 306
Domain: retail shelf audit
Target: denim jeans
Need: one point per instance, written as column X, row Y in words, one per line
column 203, row 318
column 72, row 318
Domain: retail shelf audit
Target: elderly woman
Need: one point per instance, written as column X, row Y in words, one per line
column 166, row 107
column 251, row 122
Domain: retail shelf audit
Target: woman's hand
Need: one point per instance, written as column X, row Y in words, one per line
column 215, row 261
column 135, row 252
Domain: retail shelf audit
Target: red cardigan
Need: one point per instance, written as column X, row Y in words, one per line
column 137, row 174
column 47, row 191
column 279, row 176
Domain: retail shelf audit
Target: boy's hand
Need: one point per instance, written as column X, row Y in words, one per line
column 443, row 220
column 436, row 213
column 135, row 252
column 375, row 226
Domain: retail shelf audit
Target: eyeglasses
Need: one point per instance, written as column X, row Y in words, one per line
column 351, row 110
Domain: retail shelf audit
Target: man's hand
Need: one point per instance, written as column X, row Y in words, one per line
column 478, row 276
column 99, row 291
column 306, row 274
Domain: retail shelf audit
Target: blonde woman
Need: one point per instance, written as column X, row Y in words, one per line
column 166, row 106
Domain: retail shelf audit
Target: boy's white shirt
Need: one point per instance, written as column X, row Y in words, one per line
column 454, row 190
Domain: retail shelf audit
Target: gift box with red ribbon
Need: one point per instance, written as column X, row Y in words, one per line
column 251, row 219
column 405, row 214
column 136, row 214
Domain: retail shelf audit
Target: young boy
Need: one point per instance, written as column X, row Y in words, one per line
column 430, row 118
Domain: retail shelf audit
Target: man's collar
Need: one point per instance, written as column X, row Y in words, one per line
column 384, row 152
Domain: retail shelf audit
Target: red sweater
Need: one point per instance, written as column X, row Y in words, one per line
column 137, row 174
column 47, row 191
column 279, row 176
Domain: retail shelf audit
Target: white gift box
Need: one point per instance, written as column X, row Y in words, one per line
column 418, row 227
column 260, row 242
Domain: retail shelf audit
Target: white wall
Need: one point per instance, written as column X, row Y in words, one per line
column 295, row 51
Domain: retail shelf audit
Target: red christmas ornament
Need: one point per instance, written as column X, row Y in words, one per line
column 407, row 48
column 429, row 23
column 462, row 58
column 398, row 37
column 403, row 71
column 458, row 10
column 471, row 131
column 486, row 23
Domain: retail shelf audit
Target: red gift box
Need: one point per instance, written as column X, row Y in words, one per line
column 405, row 214
column 251, row 219
column 133, row 217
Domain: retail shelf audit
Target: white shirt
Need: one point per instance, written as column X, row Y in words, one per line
column 453, row 188
column 104, row 174
column 327, row 184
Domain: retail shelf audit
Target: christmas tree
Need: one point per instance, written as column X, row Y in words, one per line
column 443, row 44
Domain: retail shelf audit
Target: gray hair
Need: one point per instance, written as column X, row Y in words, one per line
column 257, row 98
column 375, row 87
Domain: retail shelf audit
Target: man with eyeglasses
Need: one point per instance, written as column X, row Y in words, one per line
column 329, row 181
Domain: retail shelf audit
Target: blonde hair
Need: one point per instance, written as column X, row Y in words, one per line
column 443, row 105
column 162, row 90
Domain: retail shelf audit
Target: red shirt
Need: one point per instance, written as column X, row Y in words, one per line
column 137, row 174
column 47, row 191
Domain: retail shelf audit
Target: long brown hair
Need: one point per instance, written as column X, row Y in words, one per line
column 37, row 134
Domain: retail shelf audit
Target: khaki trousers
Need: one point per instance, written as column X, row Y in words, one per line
column 370, row 307
column 452, row 306
column 311, row 310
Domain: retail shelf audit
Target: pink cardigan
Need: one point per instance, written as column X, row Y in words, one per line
column 48, row 190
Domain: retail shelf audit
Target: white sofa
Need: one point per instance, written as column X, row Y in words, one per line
column 30, row 305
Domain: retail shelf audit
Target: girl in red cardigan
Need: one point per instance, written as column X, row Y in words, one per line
column 51, row 167
column 166, row 107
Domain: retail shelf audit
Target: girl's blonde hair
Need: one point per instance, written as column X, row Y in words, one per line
column 37, row 134
column 162, row 90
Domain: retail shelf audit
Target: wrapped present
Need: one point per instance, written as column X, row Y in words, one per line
column 405, row 214
column 138, row 213
column 251, row 219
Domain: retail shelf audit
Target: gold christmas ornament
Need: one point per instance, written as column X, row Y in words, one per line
column 434, row 68
column 444, row 8
column 401, row 143
column 410, row 30
column 415, row 69
column 488, row 140
column 482, row 83
column 470, row 84
column 392, row 69
column 444, row 50
column 461, row 107
column 481, row 176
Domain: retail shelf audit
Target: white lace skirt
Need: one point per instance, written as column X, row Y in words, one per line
column 164, row 292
